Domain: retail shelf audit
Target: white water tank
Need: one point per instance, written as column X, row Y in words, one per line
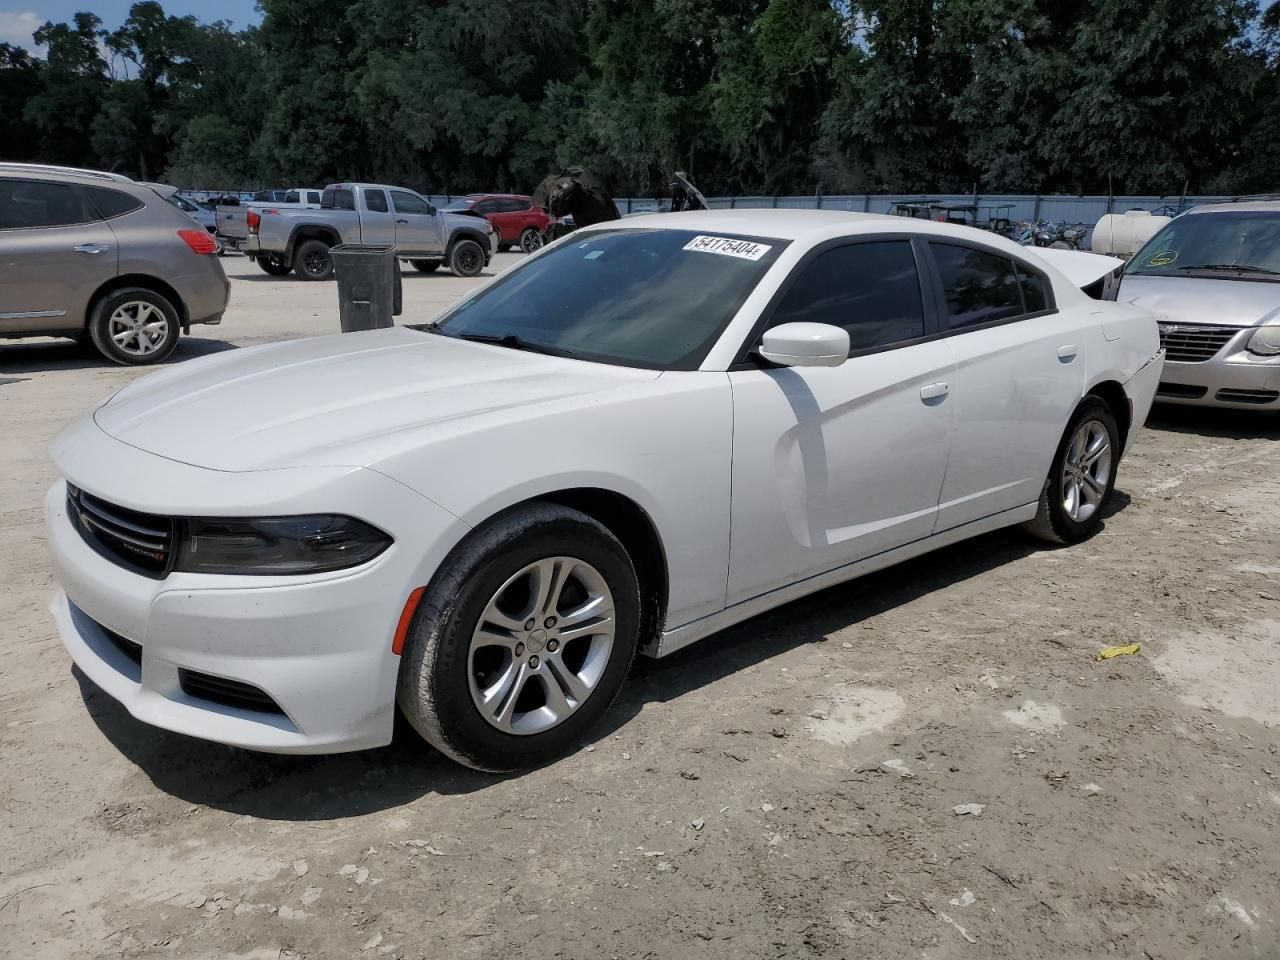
column 1123, row 234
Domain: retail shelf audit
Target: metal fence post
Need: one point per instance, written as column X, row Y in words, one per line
column 1035, row 215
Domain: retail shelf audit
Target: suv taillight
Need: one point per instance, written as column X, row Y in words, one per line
column 253, row 219
column 199, row 240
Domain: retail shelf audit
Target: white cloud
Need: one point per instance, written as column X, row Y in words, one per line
column 16, row 27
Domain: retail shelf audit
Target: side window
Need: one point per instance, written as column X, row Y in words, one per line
column 313, row 196
column 406, row 202
column 515, row 206
column 486, row 207
column 291, row 196
column 979, row 286
column 338, row 198
column 1035, row 290
column 871, row 289
column 40, row 203
column 376, row 200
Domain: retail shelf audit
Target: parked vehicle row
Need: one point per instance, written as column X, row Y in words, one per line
column 104, row 260
column 623, row 444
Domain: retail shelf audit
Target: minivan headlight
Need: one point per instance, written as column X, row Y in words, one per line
column 1265, row 341
column 276, row 546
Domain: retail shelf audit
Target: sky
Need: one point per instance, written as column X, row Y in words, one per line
column 18, row 21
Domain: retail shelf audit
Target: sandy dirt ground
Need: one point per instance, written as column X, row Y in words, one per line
column 794, row 787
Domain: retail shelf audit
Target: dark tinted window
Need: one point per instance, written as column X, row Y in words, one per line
column 514, row 206
column 291, row 196
column 486, row 207
column 979, row 286
column 338, row 198
column 115, row 203
column 644, row 298
column 1035, row 290
column 870, row 289
column 39, row 203
column 408, row 202
column 376, row 200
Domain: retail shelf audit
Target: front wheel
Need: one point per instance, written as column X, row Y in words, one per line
column 312, row 260
column 466, row 259
column 530, row 240
column 1081, row 477
column 273, row 264
column 523, row 639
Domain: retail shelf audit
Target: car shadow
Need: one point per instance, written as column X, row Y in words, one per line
column 1226, row 424
column 300, row 788
column 49, row 355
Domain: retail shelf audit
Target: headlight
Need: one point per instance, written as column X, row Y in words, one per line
column 277, row 545
column 1265, row 341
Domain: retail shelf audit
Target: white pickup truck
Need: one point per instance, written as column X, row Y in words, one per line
column 282, row 238
column 231, row 222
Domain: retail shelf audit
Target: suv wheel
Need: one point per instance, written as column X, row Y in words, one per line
column 134, row 326
column 466, row 259
column 312, row 260
column 523, row 639
column 530, row 240
column 1081, row 477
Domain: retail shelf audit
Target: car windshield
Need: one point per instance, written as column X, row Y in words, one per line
column 463, row 203
column 1235, row 244
column 656, row 299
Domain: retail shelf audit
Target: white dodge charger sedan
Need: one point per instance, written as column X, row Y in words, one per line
column 638, row 436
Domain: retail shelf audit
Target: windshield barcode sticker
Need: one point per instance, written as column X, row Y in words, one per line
column 726, row 247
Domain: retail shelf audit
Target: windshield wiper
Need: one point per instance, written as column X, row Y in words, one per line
column 1242, row 267
column 511, row 341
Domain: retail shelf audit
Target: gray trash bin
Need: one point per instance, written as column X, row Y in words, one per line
column 369, row 292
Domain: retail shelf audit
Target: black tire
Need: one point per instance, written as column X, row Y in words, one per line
column 434, row 690
column 504, row 247
column 530, row 240
column 274, row 264
column 426, row 266
column 312, row 260
column 163, row 324
column 1053, row 521
column 466, row 258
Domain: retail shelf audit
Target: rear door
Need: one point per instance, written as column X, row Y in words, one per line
column 417, row 226
column 55, row 252
column 377, row 221
column 498, row 211
column 1020, row 370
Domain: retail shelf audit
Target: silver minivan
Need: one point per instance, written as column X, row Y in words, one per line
column 1212, row 278
column 104, row 260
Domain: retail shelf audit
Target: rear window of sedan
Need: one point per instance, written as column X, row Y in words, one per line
column 656, row 299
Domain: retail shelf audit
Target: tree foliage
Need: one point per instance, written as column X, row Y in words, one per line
column 769, row 96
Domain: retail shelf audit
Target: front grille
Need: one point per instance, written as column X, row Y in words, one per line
column 1188, row 344
column 1248, row 396
column 1180, row 391
column 142, row 542
column 229, row 693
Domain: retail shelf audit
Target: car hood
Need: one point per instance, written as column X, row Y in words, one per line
column 342, row 400
column 1234, row 303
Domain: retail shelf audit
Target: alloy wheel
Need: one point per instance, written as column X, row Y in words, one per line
column 1086, row 470
column 541, row 646
column 138, row 328
column 531, row 241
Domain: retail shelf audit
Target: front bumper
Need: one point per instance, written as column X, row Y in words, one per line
column 318, row 646
column 1233, row 378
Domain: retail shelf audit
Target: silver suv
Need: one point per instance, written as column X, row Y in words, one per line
column 102, row 259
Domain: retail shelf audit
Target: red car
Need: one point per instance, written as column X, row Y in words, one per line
column 518, row 222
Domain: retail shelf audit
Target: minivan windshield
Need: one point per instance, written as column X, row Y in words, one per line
column 648, row 298
column 1230, row 244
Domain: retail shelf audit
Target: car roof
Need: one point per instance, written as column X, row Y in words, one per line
column 1244, row 206
column 52, row 171
column 496, row 196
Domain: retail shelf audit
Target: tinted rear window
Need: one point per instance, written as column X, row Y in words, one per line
column 114, row 203
column 40, row 203
column 979, row 286
column 338, row 198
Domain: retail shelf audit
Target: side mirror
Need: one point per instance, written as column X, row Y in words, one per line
column 805, row 345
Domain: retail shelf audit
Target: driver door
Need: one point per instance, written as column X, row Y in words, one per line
column 417, row 226
column 835, row 464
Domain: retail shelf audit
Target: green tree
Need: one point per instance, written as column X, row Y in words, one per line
column 73, row 84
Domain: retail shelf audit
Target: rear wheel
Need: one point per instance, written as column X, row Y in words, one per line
column 312, row 260
column 426, row 266
column 1081, row 477
column 134, row 326
column 274, row 264
column 530, row 240
column 523, row 639
column 466, row 258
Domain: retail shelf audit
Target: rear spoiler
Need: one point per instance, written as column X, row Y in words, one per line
column 1095, row 274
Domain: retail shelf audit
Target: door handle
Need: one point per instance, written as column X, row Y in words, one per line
column 1067, row 352
column 934, row 391
column 398, row 220
column 91, row 248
